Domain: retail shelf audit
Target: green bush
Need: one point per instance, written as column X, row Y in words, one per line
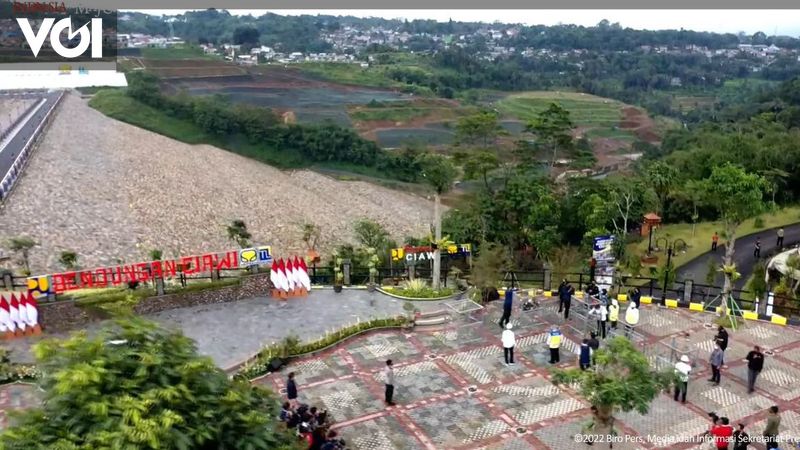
column 758, row 222
column 419, row 289
column 291, row 347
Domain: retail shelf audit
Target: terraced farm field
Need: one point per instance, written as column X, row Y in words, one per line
column 585, row 110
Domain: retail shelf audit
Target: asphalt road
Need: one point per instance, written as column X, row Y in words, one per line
column 8, row 154
column 743, row 257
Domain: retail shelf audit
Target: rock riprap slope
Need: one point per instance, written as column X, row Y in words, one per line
column 111, row 191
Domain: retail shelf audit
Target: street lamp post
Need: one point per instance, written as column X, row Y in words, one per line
column 666, row 277
column 670, row 247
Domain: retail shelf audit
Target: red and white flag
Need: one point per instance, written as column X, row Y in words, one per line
column 282, row 276
column 5, row 315
column 14, row 312
column 305, row 279
column 32, row 308
column 23, row 309
column 273, row 274
column 291, row 274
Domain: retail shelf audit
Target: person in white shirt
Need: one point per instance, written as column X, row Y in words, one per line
column 508, row 344
column 600, row 313
column 682, row 369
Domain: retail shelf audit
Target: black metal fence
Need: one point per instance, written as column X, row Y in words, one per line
column 683, row 291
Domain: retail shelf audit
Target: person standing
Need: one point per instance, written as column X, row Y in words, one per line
column 600, row 315
column 722, row 338
column 561, row 287
column 291, row 389
column 722, row 433
column 682, row 369
column 554, row 342
column 585, row 360
column 716, row 363
column 757, row 249
column 565, row 298
column 594, row 344
column 636, row 297
column 631, row 318
column 772, row 429
column 508, row 344
column 714, row 242
column 741, row 440
column 755, row 362
column 613, row 313
column 507, row 305
column 780, row 238
column 388, row 374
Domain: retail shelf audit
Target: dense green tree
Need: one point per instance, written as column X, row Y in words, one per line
column 620, row 381
column 552, row 128
column 662, row 177
column 137, row 386
column 737, row 196
column 371, row 234
column 479, row 165
column 479, row 128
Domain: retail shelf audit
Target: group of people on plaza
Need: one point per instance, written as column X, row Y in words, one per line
column 310, row 424
column 604, row 311
column 721, row 430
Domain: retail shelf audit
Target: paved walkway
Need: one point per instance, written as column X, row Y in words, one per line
column 231, row 332
column 454, row 392
column 696, row 269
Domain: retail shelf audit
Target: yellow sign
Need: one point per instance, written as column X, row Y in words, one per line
column 39, row 286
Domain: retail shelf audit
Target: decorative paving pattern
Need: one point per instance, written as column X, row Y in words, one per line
column 419, row 381
column 510, row 444
column 344, row 399
column 456, row 422
column 666, row 418
column 315, row 370
column 659, row 322
column 375, row 349
column 768, row 336
column 559, row 436
column 777, row 377
column 382, row 433
column 730, row 399
column 532, row 400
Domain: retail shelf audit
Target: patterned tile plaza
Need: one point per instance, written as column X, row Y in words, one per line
column 454, row 392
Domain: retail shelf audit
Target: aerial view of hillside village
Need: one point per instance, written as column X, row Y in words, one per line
column 368, row 230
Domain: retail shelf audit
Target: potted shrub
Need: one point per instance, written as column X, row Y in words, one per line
column 338, row 275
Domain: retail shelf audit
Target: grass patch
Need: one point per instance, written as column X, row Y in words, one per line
column 347, row 73
column 116, row 104
column 419, row 293
column 600, row 116
column 701, row 241
column 91, row 90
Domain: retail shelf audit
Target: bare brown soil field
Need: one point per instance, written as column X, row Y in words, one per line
column 640, row 123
